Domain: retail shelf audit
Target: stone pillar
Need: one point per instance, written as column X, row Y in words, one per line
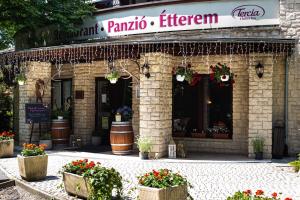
column 156, row 102
column 260, row 103
column 84, row 109
column 34, row 71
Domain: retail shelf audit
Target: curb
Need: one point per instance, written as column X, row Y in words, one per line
column 29, row 188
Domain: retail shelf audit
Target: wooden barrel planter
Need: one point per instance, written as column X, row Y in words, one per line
column 121, row 138
column 60, row 130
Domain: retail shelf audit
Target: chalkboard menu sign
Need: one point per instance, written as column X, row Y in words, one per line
column 37, row 113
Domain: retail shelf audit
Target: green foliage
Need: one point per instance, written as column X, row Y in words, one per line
column 258, row 145
column 103, row 181
column 143, row 144
column 296, row 165
column 185, row 71
column 60, row 112
column 5, row 107
column 112, row 75
column 162, row 178
column 33, row 150
column 31, row 15
column 258, row 195
column 20, row 77
column 220, row 70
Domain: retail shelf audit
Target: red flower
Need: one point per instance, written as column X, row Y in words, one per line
column 211, row 77
column 259, row 192
column 288, row 198
column 146, row 175
column 156, row 173
column 274, row 195
column 247, row 192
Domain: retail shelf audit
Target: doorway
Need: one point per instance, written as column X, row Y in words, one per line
column 110, row 97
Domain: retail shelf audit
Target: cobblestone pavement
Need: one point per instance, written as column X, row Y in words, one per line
column 211, row 180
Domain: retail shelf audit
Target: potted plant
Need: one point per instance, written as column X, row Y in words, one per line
column 162, row 184
column 89, row 180
column 296, row 164
column 113, row 76
column 258, row 195
column 258, row 146
column 221, row 73
column 60, row 114
column 33, row 162
column 184, row 73
column 144, row 146
column 6, row 144
column 20, row 78
column 47, row 140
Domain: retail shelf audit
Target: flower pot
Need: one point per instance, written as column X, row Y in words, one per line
column 198, row 135
column 221, row 136
column 180, row 78
column 76, row 185
column 48, row 143
column 6, row 148
column 224, row 78
column 60, row 117
column 144, row 155
column 174, row 193
column 33, row 168
column 258, row 155
column 96, row 140
column 113, row 80
column 21, row 82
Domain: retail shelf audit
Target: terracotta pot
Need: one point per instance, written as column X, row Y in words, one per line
column 76, row 185
column 48, row 143
column 6, row 148
column 33, row 168
column 174, row 193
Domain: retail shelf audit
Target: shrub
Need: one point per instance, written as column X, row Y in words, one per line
column 258, row 145
column 33, row 150
column 143, row 144
column 296, row 165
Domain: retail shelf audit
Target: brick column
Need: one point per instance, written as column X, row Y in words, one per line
column 34, row 71
column 156, row 102
column 260, row 103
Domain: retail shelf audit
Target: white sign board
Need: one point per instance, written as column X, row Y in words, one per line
column 183, row 16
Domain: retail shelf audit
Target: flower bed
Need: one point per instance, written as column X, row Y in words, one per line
column 6, row 144
column 162, row 185
column 258, row 195
column 89, row 180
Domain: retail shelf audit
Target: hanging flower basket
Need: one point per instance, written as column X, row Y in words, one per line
column 221, row 74
column 113, row 77
column 184, row 73
column 20, row 78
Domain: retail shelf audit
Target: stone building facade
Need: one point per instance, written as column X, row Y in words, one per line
column 258, row 104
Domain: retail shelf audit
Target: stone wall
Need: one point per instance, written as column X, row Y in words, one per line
column 34, row 71
column 84, row 78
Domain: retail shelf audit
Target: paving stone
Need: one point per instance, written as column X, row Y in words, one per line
column 211, row 180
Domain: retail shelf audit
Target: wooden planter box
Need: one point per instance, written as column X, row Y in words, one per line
column 221, row 136
column 174, row 193
column 76, row 185
column 33, row 168
column 198, row 135
column 6, row 148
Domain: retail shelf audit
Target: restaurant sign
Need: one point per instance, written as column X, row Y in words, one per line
column 181, row 16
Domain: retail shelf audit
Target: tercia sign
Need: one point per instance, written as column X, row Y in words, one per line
column 183, row 16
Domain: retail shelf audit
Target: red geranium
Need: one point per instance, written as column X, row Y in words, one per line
column 259, row 192
column 6, row 135
column 79, row 166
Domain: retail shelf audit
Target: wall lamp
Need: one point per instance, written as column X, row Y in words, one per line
column 146, row 70
column 259, row 68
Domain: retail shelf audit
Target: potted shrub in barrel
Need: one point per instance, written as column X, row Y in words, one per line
column 47, row 140
column 33, row 162
column 6, row 144
column 162, row 184
column 91, row 180
column 258, row 147
column 144, row 146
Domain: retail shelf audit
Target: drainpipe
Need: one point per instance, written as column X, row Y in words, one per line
column 286, row 109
